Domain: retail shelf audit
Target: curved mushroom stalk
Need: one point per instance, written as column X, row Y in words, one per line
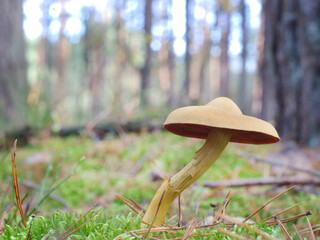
column 216, row 141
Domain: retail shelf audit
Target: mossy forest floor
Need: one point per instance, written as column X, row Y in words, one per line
column 129, row 165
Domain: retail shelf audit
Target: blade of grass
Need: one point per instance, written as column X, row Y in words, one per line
column 3, row 157
column 267, row 203
column 57, row 172
column 56, row 187
column 44, row 181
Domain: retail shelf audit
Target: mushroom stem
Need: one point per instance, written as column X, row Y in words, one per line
column 216, row 142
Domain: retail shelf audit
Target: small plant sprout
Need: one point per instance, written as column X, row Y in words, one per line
column 219, row 122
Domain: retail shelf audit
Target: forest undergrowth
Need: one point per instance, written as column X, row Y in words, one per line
column 76, row 188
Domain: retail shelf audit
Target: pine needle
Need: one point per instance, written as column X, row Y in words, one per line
column 271, row 223
column 63, row 237
column 16, row 184
column 283, row 229
column 268, row 202
column 283, row 211
column 311, row 230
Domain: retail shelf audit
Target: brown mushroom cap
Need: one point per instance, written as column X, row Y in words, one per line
column 220, row 113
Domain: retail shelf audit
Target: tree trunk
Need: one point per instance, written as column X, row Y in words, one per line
column 146, row 69
column 186, row 85
column 243, row 93
column 204, row 60
column 13, row 83
column 225, row 24
column 291, row 67
column 120, row 58
column 63, row 54
column 167, row 61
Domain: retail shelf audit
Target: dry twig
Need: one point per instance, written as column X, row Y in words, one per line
column 277, row 163
column 262, row 181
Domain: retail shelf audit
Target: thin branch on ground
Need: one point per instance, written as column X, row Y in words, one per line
column 277, row 163
column 262, row 181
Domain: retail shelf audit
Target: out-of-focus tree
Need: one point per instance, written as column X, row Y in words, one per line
column 120, row 56
column 243, row 93
column 188, row 58
column 13, row 84
column 62, row 56
column 290, row 68
column 167, row 57
column 224, row 15
column 205, row 53
column 146, row 69
column 95, row 58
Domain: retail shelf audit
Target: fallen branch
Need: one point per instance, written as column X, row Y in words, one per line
column 262, row 181
column 275, row 163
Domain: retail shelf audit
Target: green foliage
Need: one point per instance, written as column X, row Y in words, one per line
column 102, row 227
column 124, row 165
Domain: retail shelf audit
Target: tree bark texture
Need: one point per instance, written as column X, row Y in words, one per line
column 13, row 84
column 146, row 69
column 290, row 67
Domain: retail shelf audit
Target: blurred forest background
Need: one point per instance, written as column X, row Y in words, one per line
column 67, row 63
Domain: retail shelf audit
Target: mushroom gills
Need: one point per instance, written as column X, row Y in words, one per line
column 216, row 141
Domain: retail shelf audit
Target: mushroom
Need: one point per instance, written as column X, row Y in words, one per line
column 219, row 122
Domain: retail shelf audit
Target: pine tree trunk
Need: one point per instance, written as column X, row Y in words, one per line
column 291, row 67
column 186, row 85
column 13, row 83
column 224, row 14
column 243, row 93
column 146, row 69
